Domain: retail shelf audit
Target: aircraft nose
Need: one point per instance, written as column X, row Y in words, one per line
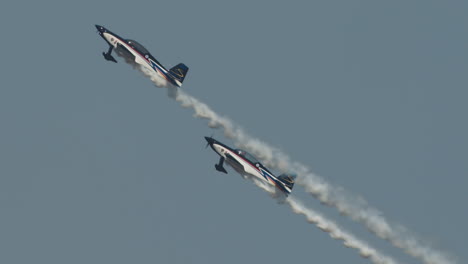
column 99, row 28
column 209, row 140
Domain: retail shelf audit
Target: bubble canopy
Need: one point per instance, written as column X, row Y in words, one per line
column 247, row 156
column 134, row 44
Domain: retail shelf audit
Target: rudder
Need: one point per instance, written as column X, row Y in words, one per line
column 288, row 180
column 179, row 72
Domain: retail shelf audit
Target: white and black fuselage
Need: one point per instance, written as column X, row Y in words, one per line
column 135, row 52
column 248, row 166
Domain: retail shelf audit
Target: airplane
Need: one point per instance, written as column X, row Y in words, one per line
column 135, row 52
column 249, row 167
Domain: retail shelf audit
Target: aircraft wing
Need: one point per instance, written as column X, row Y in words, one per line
column 233, row 162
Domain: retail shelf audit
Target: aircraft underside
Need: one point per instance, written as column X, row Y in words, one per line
column 124, row 53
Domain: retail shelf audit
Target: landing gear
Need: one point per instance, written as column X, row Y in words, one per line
column 219, row 166
column 108, row 55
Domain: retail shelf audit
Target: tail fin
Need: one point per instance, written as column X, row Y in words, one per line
column 179, row 72
column 287, row 179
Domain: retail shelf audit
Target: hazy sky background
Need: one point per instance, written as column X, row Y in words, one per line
column 99, row 166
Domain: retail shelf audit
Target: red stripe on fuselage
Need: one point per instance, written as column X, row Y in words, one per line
column 141, row 55
column 253, row 166
column 270, row 180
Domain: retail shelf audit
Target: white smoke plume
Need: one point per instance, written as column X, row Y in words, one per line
column 355, row 208
column 338, row 233
column 359, row 210
column 156, row 79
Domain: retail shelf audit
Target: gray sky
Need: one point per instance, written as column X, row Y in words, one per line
column 99, row 166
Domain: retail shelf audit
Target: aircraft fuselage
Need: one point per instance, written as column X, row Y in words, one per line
column 246, row 165
column 130, row 51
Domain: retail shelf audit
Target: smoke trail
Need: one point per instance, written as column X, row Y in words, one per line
column 349, row 205
column 359, row 211
column 355, row 208
column 338, row 233
column 327, row 225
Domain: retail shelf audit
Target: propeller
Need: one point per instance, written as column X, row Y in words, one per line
column 208, row 143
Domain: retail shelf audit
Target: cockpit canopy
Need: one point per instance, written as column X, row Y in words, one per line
column 137, row 46
column 247, row 156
